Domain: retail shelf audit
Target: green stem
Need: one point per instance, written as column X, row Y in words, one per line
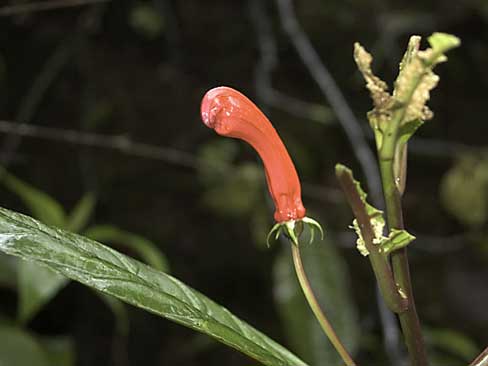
column 379, row 262
column 314, row 305
column 408, row 319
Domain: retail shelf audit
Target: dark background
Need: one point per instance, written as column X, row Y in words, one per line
column 137, row 71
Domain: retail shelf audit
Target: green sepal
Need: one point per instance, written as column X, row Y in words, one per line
column 289, row 228
column 312, row 224
column 276, row 229
column 292, row 229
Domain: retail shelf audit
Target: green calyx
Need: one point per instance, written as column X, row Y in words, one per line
column 293, row 228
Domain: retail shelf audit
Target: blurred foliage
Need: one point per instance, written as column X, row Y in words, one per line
column 146, row 20
column 464, row 190
column 21, row 348
column 37, row 286
column 81, row 213
column 60, row 351
column 39, row 203
column 449, row 347
column 232, row 188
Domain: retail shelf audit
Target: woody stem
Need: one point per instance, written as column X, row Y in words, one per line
column 314, row 305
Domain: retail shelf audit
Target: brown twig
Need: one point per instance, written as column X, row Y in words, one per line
column 119, row 143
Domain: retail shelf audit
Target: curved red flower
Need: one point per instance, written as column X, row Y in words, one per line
column 232, row 114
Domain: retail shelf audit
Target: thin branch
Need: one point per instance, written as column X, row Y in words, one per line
column 312, row 111
column 119, row 143
column 315, row 112
column 36, row 6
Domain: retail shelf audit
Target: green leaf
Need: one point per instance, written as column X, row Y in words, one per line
column 415, row 80
column 407, row 130
column 113, row 273
column 399, row 166
column 411, row 52
column 377, row 87
column 19, row 348
column 81, row 213
column 41, row 205
column 146, row 249
column 371, row 210
column 328, row 275
column 396, row 240
column 37, row 286
column 443, row 42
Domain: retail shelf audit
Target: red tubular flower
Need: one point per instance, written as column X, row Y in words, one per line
column 232, row 114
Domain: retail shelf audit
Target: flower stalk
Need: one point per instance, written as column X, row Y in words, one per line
column 315, row 306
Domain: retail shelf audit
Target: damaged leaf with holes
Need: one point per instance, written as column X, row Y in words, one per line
column 412, row 87
column 395, row 240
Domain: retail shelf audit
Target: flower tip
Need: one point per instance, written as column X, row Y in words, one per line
column 205, row 110
column 210, row 105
